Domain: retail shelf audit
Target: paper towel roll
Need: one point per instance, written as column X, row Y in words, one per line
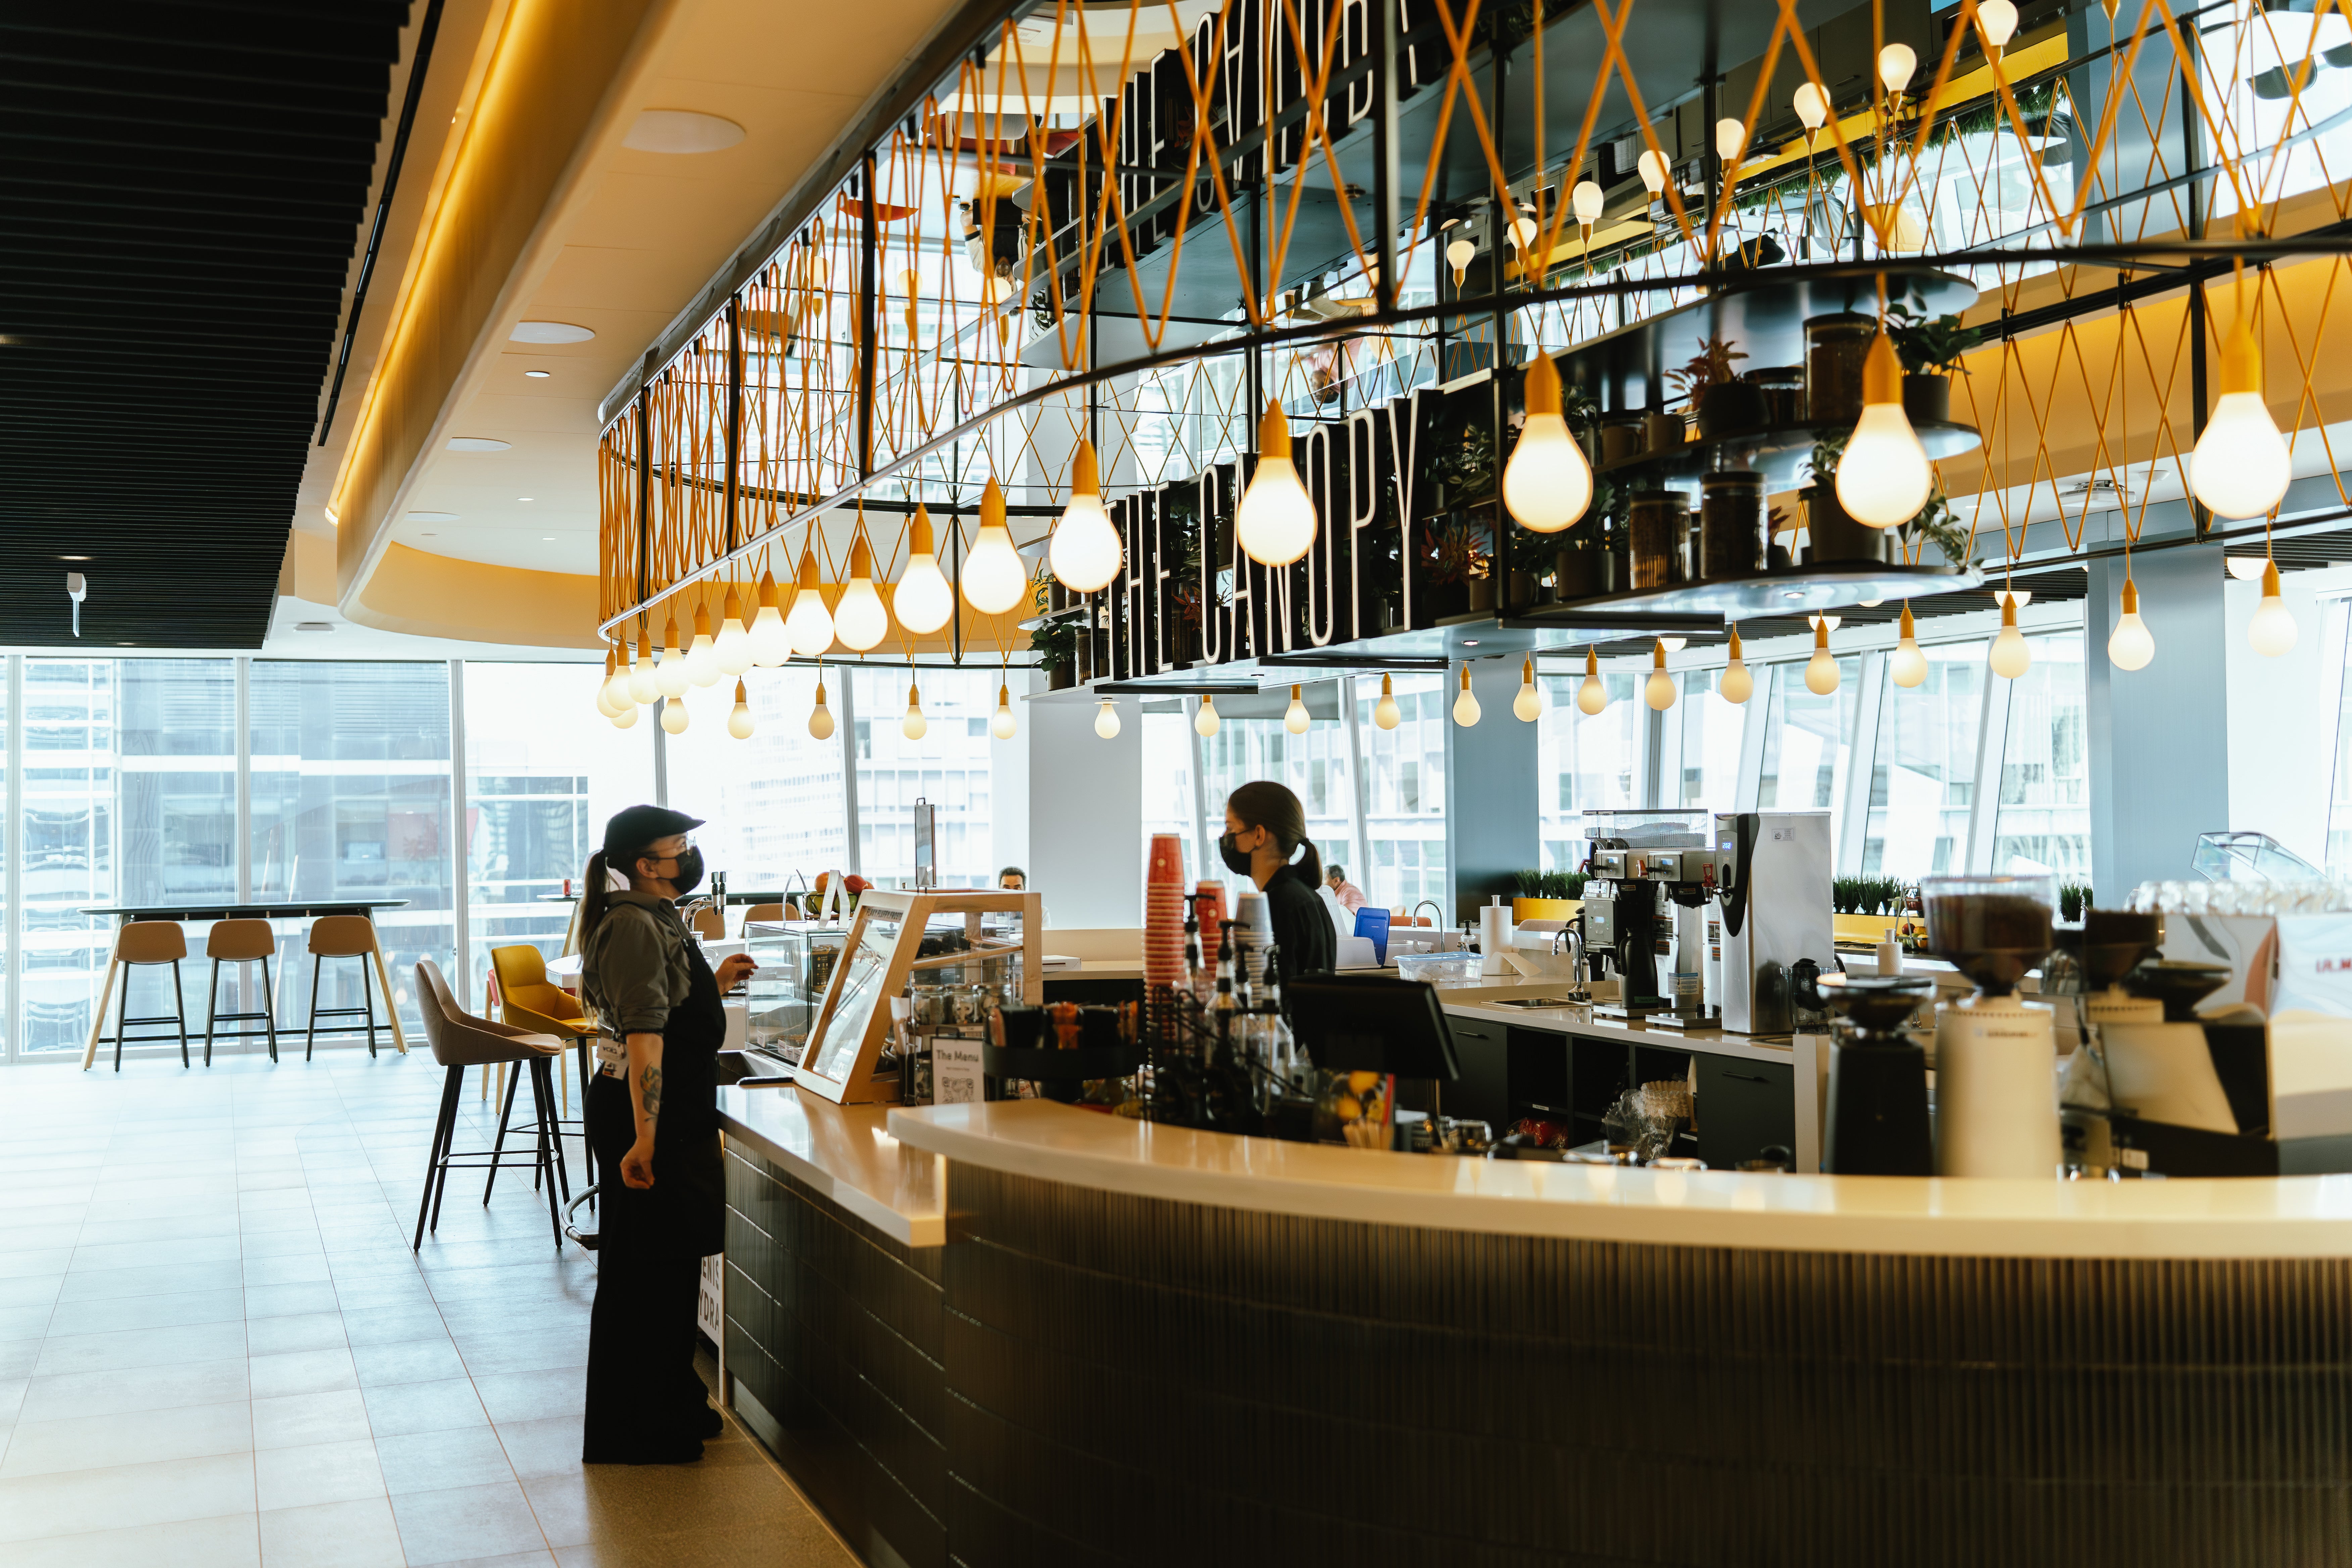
column 1494, row 937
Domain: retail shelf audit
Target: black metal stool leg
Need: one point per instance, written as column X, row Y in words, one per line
column 212, row 1010
column 542, row 1090
column 443, row 1130
column 180, row 1008
column 310, row 1043
column 547, row 1066
column 506, row 1115
column 268, row 1009
column 367, row 999
column 122, row 1013
column 586, row 1050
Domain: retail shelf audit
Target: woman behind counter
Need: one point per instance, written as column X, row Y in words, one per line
column 653, row 1117
column 1264, row 826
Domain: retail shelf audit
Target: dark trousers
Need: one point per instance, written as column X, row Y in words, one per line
column 645, row 1398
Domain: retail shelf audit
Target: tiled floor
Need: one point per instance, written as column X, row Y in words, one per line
column 215, row 1347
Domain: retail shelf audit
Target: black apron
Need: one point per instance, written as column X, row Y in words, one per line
column 689, row 1189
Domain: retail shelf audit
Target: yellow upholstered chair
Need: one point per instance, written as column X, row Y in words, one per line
column 529, row 1000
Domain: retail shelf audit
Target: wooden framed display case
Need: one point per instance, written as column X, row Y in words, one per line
column 921, row 938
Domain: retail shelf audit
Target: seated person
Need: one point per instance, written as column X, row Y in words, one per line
column 1013, row 880
column 1350, row 897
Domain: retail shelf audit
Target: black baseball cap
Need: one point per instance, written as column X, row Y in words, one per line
column 631, row 830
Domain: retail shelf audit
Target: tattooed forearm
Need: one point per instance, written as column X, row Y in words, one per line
column 653, row 1091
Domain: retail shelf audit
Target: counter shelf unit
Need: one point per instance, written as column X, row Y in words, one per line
column 882, row 954
column 796, row 960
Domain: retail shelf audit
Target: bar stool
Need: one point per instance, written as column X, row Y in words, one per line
column 241, row 942
column 527, row 1000
column 771, row 912
column 460, row 1041
column 342, row 936
column 156, row 943
column 710, row 923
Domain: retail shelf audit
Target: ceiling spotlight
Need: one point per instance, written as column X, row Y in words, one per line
column 548, row 332
column 539, row 374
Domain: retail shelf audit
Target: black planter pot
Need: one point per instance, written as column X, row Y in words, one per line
column 1482, row 593
column 1834, row 536
column 1447, row 600
column 1928, row 398
column 1063, row 676
column 1734, row 405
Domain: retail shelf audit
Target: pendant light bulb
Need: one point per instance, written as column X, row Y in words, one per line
column 1998, row 18
column 772, row 643
column 670, row 678
column 1295, row 718
column 1276, row 521
column 1547, row 484
column 914, row 726
column 1527, row 706
column 994, row 580
column 1386, row 715
column 613, row 691
column 627, row 719
column 1205, row 723
column 1592, row 696
column 2011, row 656
column 1653, row 167
column 1660, row 691
column 1820, row 670
column 1812, row 107
column 1731, row 141
column 1884, row 477
column 739, row 722
column 674, row 713
column 809, row 628
column 922, row 602
column 1737, row 685
column 1897, row 64
column 701, row 659
column 1107, row 720
column 1586, row 201
column 642, row 690
column 1458, row 255
column 1465, row 707
column 2274, row 629
column 2244, row 568
column 2130, row 646
column 1003, row 726
column 2242, row 467
column 1909, row 665
column 859, row 619
column 733, row 648
column 820, row 724
column 1086, row 553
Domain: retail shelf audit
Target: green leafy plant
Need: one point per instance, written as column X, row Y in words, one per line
column 1550, row 884
column 1710, row 367
column 1939, row 525
column 1466, row 465
column 1056, row 644
column 1456, row 553
column 1929, row 345
column 2073, row 898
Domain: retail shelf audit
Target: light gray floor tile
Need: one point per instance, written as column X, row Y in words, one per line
column 153, row 1311
column 93, row 1442
column 128, row 1348
column 360, row 1533
column 303, row 1371
column 297, row 1420
column 456, row 1523
column 397, row 1409
column 229, row 1541
column 80, row 1501
column 298, row 1331
column 439, row 1461
column 59, row 1397
column 316, row 1473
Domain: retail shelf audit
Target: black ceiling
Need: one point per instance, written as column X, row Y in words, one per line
column 181, row 188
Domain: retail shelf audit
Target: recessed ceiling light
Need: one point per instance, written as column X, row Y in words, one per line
column 428, row 535
column 432, row 517
column 539, row 374
column 314, row 625
column 681, row 131
column 1469, row 642
column 477, row 444
column 522, row 497
column 547, row 539
column 550, row 333
column 73, row 557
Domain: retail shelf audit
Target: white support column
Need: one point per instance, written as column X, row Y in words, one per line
column 13, row 854
column 1992, row 744
column 846, row 718
column 1756, row 712
column 1667, row 730
column 1360, row 843
column 244, row 849
column 1853, row 811
column 459, row 911
column 1204, row 842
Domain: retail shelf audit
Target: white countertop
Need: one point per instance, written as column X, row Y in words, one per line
column 1482, row 999
column 846, row 1152
column 2299, row 1216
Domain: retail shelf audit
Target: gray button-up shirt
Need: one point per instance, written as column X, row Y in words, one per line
column 633, row 969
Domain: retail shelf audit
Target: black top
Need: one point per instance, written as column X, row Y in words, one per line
column 1303, row 932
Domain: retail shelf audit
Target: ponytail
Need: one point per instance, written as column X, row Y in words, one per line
column 1309, row 865
column 1262, row 802
column 593, row 898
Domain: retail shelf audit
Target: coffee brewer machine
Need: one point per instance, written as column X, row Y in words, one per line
column 1650, row 874
column 1996, row 1054
column 1773, row 914
column 1877, row 1123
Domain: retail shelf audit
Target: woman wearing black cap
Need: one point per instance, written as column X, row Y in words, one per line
column 653, row 1117
column 1264, row 826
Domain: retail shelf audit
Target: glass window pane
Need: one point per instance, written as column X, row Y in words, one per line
column 952, row 766
column 543, row 770
column 1711, row 737
column 1404, row 788
column 773, row 802
column 1585, row 763
column 1253, row 745
column 1807, row 743
column 1168, row 785
column 1925, row 773
column 2046, row 781
column 351, row 800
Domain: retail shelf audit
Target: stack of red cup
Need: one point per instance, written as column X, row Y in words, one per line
column 1163, row 912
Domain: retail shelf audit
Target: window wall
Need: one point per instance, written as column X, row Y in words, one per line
column 1585, row 763
column 1809, row 744
column 1252, row 743
column 1401, row 855
column 2046, row 775
column 1922, row 780
column 951, row 768
column 772, row 805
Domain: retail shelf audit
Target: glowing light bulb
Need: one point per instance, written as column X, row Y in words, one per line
column 1820, row 670
column 2021, row 598
column 1737, row 685
column 2274, row 629
column 1086, row 553
column 616, row 677
column 1832, row 622
column 914, row 726
column 1003, row 726
column 674, row 714
column 2011, row 656
column 859, row 620
column 1527, row 706
column 1295, row 718
column 2130, row 646
column 1592, row 696
column 1812, row 107
column 605, row 688
column 1585, row 202
column 1897, row 62
column 642, row 690
column 1522, row 233
column 1653, row 167
column 1458, row 255
column 770, row 643
column 1276, row 521
column 922, row 602
column 701, row 659
column 820, row 717
column 1998, row 18
column 994, row 580
column 733, row 649
column 2242, row 467
column 1106, row 721
column 1909, row 665
column 1547, row 484
column 808, row 630
column 670, row 678
column 1465, row 707
column 627, row 719
column 1731, row 141
column 739, row 722
column 1884, row 477
column 1385, row 713
column 1660, row 691
column 2244, row 568
column 1206, row 722
column 1674, row 645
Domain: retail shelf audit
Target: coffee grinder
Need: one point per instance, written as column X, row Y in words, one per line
column 1996, row 1054
column 1878, row 1078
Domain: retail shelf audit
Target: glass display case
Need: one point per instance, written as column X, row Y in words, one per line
column 795, row 962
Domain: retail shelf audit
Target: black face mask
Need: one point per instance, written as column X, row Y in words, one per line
column 1236, row 859
column 688, row 874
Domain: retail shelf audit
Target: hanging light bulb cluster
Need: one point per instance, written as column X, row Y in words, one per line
column 1883, row 478
column 923, row 601
column 772, row 643
column 670, row 678
column 1107, row 720
column 739, row 722
column 994, row 580
column 2010, row 657
column 1737, row 685
column 2129, row 646
column 1660, row 691
column 1821, row 674
column 859, row 620
column 914, row 726
column 2273, row 631
column 2240, row 467
column 1386, row 715
column 1592, row 696
column 1205, row 723
column 1466, row 706
column 1003, row 726
column 1547, row 483
column 1909, row 665
column 820, row 724
column 1295, row 718
column 1275, row 523
column 1527, row 706
column 733, row 648
column 1086, row 553
column 701, row 659
column 808, row 630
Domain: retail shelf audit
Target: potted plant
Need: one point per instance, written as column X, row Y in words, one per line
column 1056, row 644
column 1546, row 895
column 1464, row 465
column 1930, row 348
column 1721, row 400
column 1453, row 558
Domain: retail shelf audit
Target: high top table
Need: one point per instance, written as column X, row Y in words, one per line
column 279, row 910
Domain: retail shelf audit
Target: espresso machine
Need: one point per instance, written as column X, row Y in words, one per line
column 1773, row 914
column 1996, row 1054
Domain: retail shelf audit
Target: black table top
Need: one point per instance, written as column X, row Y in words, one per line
column 283, row 908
